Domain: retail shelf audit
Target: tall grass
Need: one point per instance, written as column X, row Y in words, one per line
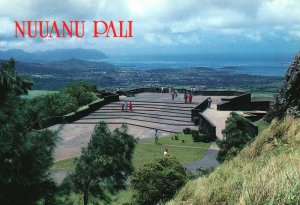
column 265, row 172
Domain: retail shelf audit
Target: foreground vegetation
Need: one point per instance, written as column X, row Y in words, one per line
column 145, row 152
column 104, row 165
column 236, row 135
column 26, row 155
column 265, row 172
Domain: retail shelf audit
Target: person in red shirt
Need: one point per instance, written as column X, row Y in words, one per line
column 190, row 98
column 130, row 106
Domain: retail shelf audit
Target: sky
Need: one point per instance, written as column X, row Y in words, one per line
column 164, row 26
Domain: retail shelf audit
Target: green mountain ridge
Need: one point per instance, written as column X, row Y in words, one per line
column 64, row 65
column 52, row 55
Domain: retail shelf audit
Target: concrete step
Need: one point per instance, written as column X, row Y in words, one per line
column 175, row 102
column 150, row 112
column 180, row 105
column 149, row 125
column 139, row 117
column 139, row 120
column 139, row 109
column 149, row 106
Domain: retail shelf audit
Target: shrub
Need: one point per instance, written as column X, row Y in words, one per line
column 187, row 131
column 236, row 135
column 45, row 107
column 83, row 92
column 158, row 181
column 204, row 137
column 196, row 135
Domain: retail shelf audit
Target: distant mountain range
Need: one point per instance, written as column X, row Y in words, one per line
column 52, row 55
column 64, row 65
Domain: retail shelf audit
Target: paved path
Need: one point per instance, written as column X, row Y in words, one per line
column 207, row 161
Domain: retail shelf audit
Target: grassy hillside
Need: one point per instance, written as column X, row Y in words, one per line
column 265, row 172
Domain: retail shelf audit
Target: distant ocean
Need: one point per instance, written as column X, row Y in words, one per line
column 253, row 64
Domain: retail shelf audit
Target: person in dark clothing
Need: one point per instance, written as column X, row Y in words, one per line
column 130, row 106
column 185, row 98
column 209, row 102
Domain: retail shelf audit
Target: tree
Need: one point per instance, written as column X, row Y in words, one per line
column 158, row 181
column 104, row 164
column 45, row 108
column 236, row 135
column 83, row 92
column 25, row 155
column 11, row 82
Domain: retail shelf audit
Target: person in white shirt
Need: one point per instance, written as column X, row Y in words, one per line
column 166, row 154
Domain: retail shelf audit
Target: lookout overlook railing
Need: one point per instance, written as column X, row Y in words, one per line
column 243, row 102
column 132, row 92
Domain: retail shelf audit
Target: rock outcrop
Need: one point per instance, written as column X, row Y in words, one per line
column 288, row 100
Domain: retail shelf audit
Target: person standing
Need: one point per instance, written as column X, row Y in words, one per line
column 166, row 154
column 130, row 106
column 185, row 98
column 156, row 136
column 173, row 95
column 126, row 105
column 209, row 102
column 122, row 107
column 190, row 98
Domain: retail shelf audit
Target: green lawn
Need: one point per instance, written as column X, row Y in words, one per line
column 146, row 151
column 35, row 93
column 256, row 95
column 64, row 164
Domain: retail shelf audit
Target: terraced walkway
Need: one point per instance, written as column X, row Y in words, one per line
column 151, row 111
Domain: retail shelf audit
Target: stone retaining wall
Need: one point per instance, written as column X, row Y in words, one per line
column 206, row 125
column 242, row 102
column 260, row 105
column 199, row 108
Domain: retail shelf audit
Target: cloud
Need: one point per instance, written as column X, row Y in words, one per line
column 160, row 23
column 6, row 27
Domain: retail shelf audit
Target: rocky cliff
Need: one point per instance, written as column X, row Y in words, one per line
column 288, row 100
